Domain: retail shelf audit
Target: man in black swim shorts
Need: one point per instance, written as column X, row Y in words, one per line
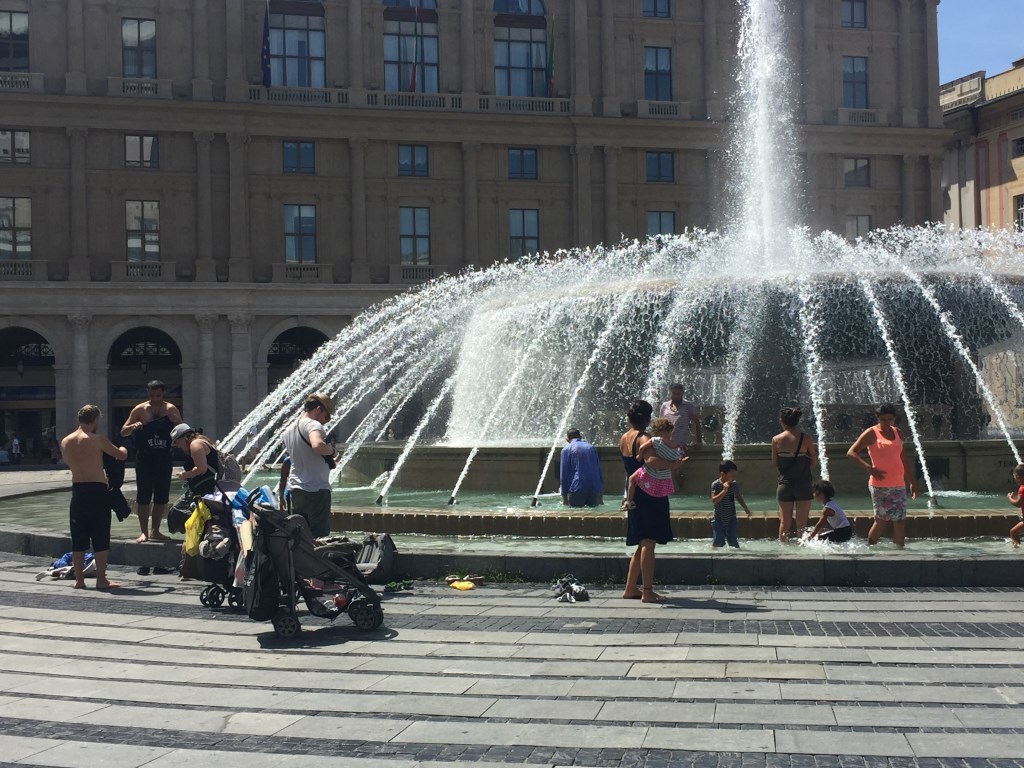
column 150, row 424
column 83, row 451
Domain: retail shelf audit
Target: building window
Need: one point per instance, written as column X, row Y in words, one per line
column 300, row 234
column 857, row 225
column 414, row 235
column 411, row 51
column 522, row 163
column 661, row 223
column 15, row 228
column 138, row 48
column 657, row 9
column 660, row 166
column 522, row 65
column 1018, row 212
column 13, row 41
column 523, row 232
column 15, row 147
column 855, row 82
column 142, row 229
column 657, row 74
column 854, row 13
column 413, row 160
column 298, row 157
column 1018, row 147
column 141, row 151
column 857, row 171
column 297, row 57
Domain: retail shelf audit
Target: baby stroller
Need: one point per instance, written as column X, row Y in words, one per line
column 218, row 547
column 286, row 564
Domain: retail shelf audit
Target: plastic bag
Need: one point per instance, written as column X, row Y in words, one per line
column 194, row 527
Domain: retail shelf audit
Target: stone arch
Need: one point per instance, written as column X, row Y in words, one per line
column 181, row 330
column 28, row 392
column 278, row 328
column 55, row 338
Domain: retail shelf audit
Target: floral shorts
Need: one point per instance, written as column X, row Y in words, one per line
column 889, row 503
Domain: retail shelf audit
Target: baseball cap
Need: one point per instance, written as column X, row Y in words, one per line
column 180, row 431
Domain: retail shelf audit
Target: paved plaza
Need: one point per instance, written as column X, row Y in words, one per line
column 719, row 676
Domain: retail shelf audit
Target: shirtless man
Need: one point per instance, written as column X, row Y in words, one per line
column 151, row 423
column 83, row 451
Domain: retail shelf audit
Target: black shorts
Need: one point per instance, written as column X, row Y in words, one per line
column 837, row 535
column 794, row 491
column 90, row 517
column 153, row 478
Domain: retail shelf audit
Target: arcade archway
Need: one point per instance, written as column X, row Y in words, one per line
column 28, row 407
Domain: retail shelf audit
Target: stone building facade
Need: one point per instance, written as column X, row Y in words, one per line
column 201, row 191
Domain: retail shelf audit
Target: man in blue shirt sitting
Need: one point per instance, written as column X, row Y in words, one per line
column 582, row 484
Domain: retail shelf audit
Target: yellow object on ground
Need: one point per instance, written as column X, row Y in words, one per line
column 462, row 585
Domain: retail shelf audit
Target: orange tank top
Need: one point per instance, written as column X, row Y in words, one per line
column 886, row 455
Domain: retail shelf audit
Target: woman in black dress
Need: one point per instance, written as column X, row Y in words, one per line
column 648, row 524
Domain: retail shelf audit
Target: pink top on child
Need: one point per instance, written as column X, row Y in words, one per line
column 658, row 482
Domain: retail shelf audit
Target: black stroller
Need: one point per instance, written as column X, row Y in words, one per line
column 286, row 564
column 218, row 548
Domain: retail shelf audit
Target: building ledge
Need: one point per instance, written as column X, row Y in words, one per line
column 413, row 273
column 663, row 110
column 139, row 87
column 303, row 273
column 21, row 82
column 861, row 117
column 22, row 269
column 143, row 271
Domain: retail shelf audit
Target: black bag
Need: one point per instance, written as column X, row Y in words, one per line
column 376, row 559
column 261, row 590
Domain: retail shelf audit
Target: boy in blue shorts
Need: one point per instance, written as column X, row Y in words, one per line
column 725, row 492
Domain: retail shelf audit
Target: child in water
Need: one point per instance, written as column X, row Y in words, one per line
column 1017, row 500
column 655, row 482
column 833, row 525
column 725, row 492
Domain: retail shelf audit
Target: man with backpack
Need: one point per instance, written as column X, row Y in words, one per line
column 312, row 457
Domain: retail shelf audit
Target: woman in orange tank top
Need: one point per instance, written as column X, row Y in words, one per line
column 889, row 475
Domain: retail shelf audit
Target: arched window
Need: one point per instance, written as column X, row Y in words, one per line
column 289, row 350
column 411, row 51
column 146, row 349
column 522, row 58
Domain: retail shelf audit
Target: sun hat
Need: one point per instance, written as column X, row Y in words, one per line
column 325, row 400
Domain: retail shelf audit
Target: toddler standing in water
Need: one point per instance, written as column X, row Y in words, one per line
column 833, row 525
column 655, row 482
column 725, row 492
column 1017, row 501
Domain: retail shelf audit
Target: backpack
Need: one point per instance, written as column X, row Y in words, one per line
column 230, row 469
column 376, row 559
column 261, row 590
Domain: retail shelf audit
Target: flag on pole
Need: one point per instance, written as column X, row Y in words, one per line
column 265, row 50
column 415, row 49
column 549, row 69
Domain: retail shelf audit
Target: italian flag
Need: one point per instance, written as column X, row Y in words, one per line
column 549, row 70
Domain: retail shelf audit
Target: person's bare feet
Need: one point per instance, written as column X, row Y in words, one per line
column 650, row 596
column 157, row 536
column 631, row 594
column 105, row 584
column 79, row 585
column 142, row 539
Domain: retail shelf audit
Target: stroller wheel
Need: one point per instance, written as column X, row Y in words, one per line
column 365, row 616
column 234, row 600
column 216, row 597
column 286, row 625
column 204, row 596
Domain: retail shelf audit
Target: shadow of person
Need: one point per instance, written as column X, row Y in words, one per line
column 323, row 637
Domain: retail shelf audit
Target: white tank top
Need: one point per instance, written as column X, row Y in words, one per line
column 838, row 518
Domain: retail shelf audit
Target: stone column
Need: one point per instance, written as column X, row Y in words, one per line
column 206, row 270
column 931, row 9
column 935, row 187
column 74, row 79
column 206, row 410
column 235, row 43
column 582, row 194
column 712, row 97
column 239, row 262
column 202, row 86
column 907, row 189
column 356, row 82
column 80, row 392
column 610, row 104
column 470, row 214
column 78, row 267
column 582, row 101
column 467, row 53
column 611, row 195
column 357, row 209
column 906, row 67
column 66, row 409
column 262, row 380
column 812, row 108
column 241, row 365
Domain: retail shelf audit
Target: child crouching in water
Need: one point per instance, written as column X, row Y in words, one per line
column 1017, row 501
column 655, row 482
column 833, row 525
column 725, row 492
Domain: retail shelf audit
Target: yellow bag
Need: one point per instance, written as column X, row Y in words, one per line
column 194, row 527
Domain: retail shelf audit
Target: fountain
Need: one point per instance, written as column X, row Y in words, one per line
column 499, row 362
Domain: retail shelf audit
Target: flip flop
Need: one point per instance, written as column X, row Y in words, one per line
column 143, row 570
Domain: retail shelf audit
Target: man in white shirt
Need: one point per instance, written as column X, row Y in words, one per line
column 682, row 413
column 309, row 483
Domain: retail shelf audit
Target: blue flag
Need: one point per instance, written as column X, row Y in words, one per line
column 265, row 51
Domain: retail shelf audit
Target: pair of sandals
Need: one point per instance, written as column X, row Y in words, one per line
column 398, row 586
